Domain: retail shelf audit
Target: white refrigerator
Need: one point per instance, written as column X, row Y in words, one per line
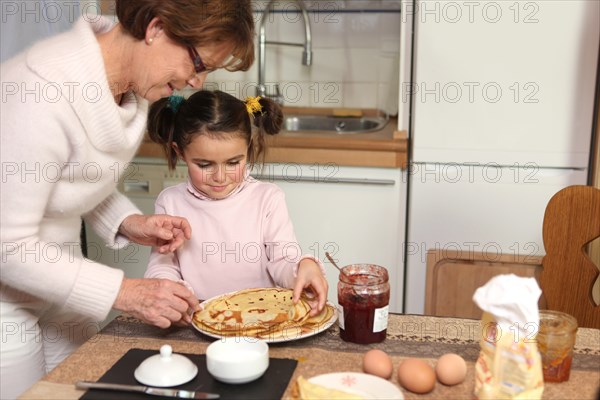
column 501, row 102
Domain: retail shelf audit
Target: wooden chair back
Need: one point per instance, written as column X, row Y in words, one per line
column 571, row 221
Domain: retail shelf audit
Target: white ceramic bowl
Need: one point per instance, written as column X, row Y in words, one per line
column 237, row 359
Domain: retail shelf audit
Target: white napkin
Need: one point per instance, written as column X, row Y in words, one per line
column 511, row 299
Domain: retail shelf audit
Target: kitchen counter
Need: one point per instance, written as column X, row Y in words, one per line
column 385, row 148
column 423, row 337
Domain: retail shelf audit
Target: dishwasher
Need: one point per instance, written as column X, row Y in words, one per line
column 354, row 213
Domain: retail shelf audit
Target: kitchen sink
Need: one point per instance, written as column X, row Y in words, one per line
column 352, row 124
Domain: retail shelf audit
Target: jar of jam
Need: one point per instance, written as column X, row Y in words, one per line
column 556, row 339
column 363, row 298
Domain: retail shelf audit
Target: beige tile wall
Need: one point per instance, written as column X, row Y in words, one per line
column 355, row 57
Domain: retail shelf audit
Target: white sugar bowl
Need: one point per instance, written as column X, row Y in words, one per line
column 237, row 359
column 166, row 369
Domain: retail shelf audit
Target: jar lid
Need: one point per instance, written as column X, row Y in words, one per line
column 166, row 369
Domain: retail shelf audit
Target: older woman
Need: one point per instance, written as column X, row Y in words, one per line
column 73, row 112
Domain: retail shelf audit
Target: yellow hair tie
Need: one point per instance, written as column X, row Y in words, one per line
column 253, row 105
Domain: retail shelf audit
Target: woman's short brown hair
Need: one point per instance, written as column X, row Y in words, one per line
column 196, row 23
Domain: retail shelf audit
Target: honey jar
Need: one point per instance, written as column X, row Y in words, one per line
column 556, row 339
column 363, row 298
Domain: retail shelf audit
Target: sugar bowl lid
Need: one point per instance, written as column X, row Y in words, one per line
column 166, row 369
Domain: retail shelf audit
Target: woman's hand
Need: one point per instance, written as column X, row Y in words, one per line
column 159, row 302
column 311, row 279
column 165, row 232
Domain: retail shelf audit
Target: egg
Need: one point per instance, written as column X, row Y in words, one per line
column 416, row 375
column 377, row 362
column 451, row 369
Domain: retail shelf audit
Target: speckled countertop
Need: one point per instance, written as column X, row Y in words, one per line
column 408, row 336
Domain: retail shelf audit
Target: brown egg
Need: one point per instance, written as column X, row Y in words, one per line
column 451, row 369
column 416, row 375
column 377, row 362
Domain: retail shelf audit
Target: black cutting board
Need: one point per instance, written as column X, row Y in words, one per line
column 271, row 385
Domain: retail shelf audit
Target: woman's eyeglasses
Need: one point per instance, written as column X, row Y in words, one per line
column 199, row 66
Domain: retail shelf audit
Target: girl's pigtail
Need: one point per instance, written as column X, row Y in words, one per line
column 267, row 116
column 161, row 125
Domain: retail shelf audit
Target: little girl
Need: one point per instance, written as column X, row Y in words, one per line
column 242, row 236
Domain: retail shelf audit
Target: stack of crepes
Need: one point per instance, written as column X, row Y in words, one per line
column 264, row 313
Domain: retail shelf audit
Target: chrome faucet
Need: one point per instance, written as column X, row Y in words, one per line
column 261, row 89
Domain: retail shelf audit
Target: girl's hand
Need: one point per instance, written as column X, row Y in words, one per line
column 165, row 232
column 311, row 279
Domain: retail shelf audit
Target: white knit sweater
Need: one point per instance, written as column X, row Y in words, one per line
column 64, row 144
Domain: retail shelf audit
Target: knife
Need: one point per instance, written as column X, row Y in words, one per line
column 182, row 394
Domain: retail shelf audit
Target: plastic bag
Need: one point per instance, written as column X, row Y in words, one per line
column 509, row 364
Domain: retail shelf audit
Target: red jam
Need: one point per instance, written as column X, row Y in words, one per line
column 363, row 297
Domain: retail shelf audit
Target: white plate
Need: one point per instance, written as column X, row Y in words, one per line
column 365, row 385
column 323, row 327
